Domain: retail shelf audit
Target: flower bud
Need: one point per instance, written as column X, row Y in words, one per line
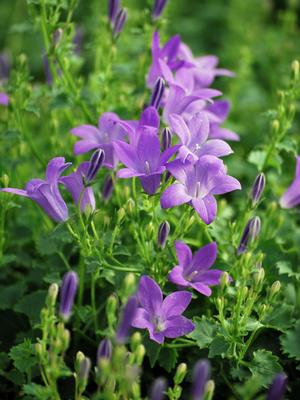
column 57, row 35
column 119, row 22
column 104, row 350
column 140, row 354
column 166, row 138
column 108, row 187
column 5, row 180
column 158, row 8
column 121, row 215
column 275, row 288
column 39, row 349
column 111, row 307
column 129, row 284
column 209, row 389
column 201, row 375
column 157, row 92
column 95, row 164
column 277, row 388
column 158, row 388
column 67, row 294
column 84, row 370
column 113, row 8
column 163, row 233
column 275, row 125
column 258, row 188
column 180, row 373
column 295, row 69
column 65, row 339
column 52, row 293
column 126, row 319
column 130, row 206
column 250, row 234
column 259, row 276
column 224, row 280
column 136, row 340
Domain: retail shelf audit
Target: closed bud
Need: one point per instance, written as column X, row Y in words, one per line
column 209, row 389
column 250, row 234
column 258, row 188
column 84, row 370
column 120, row 355
column 224, row 281
column 177, row 391
column 113, row 8
column 150, row 229
column 106, row 220
column 52, row 293
column 108, row 187
column 111, row 307
column 201, row 374
column 166, row 138
column 259, row 276
column 275, row 125
column 39, row 349
column 277, row 388
column 136, row 340
column 67, row 294
column 140, row 354
column 129, row 283
column 262, row 309
column 180, row 373
column 157, row 92
column 65, row 339
column 295, row 69
column 95, row 164
column 119, row 22
column 163, row 233
column 158, row 8
column 5, row 180
column 158, row 388
column 245, row 292
column 136, row 390
column 121, row 215
column 126, row 319
column 130, row 206
column 104, row 350
column 126, row 192
column 275, row 288
column 57, row 35
column 79, row 357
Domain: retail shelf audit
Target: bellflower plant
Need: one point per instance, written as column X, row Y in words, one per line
column 161, row 317
column 46, row 192
column 291, row 198
column 197, row 184
column 194, row 271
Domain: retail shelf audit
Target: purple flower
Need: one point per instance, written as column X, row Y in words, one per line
column 102, row 137
column 45, row 192
column 194, row 271
column 277, row 388
column 291, row 198
column 158, row 388
column 201, row 374
column 166, row 138
column 217, row 113
column 74, row 183
column 194, row 138
column 162, row 317
column 144, row 159
column 126, row 319
column 158, row 8
column 197, row 184
column 258, row 188
column 108, row 187
column 4, row 99
column 104, row 349
column 67, row 294
column 119, row 22
column 157, row 93
column 113, row 8
column 163, row 233
column 95, row 164
column 250, row 233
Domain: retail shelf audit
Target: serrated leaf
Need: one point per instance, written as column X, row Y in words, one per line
column 152, row 350
column 204, row 332
column 23, row 356
column 218, row 346
column 31, row 305
column 290, row 342
column 257, row 157
column 285, row 267
column 265, row 365
column 280, row 317
column 38, row 391
column 167, row 358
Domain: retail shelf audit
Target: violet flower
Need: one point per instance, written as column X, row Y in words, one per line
column 166, row 138
column 201, row 374
column 67, row 294
column 95, row 164
column 197, row 184
column 217, row 113
column 102, row 137
column 258, row 188
column 162, row 317
column 158, row 8
column 113, row 8
column 193, row 135
column 104, row 349
column 157, row 93
column 163, row 233
column 277, row 388
column 126, row 319
column 250, row 233
column 4, row 99
column 158, row 388
column 119, row 22
column 45, row 192
column 108, row 187
column 74, row 183
column 291, row 198
column 144, row 159
column 194, row 271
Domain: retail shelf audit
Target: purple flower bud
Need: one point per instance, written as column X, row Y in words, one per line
column 95, row 164
column 4, row 67
column 113, row 8
column 119, row 22
column 126, row 320
column 77, row 40
column 67, row 294
column 4, row 99
column 166, row 138
column 201, row 374
column 108, row 187
column 158, row 7
column 157, row 389
column 104, row 349
column 250, row 234
column 258, row 188
column 277, row 388
column 157, row 92
column 84, row 369
column 163, row 233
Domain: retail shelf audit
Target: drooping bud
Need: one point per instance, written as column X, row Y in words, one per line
column 157, row 389
column 113, row 8
column 180, row 373
column 126, row 320
column 104, row 349
column 258, row 188
column 163, row 233
column 157, row 92
column 277, row 388
column 158, row 8
column 201, row 374
column 95, row 164
column 250, row 234
column 108, row 187
column 135, row 341
column 166, row 138
column 67, row 294
column 119, row 22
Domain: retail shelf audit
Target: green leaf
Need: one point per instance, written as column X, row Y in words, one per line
column 289, row 145
column 10, row 295
column 31, row 305
column 264, row 365
column 54, row 241
column 23, row 356
column 204, row 332
column 257, row 157
column 38, row 391
column 218, row 346
column 290, row 342
column 280, row 317
column 152, row 350
column 167, row 358
column 285, row 267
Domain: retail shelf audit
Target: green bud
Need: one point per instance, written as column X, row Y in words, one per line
column 150, row 229
column 262, row 309
column 140, row 354
column 224, row 280
column 5, row 180
column 65, row 339
column 220, row 303
column 295, row 69
column 111, row 307
column 136, row 391
column 39, row 349
column 106, row 220
column 275, row 125
column 245, row 292
column 130, row 205
column 209, row 390
column 79, row 358
column 136, row 340
column 275, row 288
column 104, row 366
column 177, row 391
column 180, row 373
column 121, row 215
column 126, row 192
column 52, row 294
column 259, row 276
column 83, row 372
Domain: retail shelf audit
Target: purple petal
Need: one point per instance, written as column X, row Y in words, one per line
column 291, row 197
column 150, row 183
column 174, row 195
column 167, row 154
column 199, row 127
column 141, row 319
column 205, row 257
column 86, row 132
column 150, row 295
column 148, row 150
column 126, row 154
column 220, row 108
column 171, row 48
column 206, row 208
column 201, row 288
column 179, row 127
column 55, row 167
column 178, row 326
column 225, row 184
column 84, row 146
column 215, row 147
column 4, row 99
column 128, row 173
column 150, row 117
column 19, row 192
column 175, row 304
column 216, row 132
column 212, row 277
column 183, row 253
column 176, row 276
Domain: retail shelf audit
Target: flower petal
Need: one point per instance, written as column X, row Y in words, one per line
column 205, row 257
column 84, row 146
column 176, row 276
column 141, row 319
column 127, row 155
column 215, row 147
column 174, row 195
column 175, row 304
column 178, row 326
column 183, row 253
column 212, row 277
column 150, row 295
column 206, row 208
column 89, row 132
column 201, row 288
column 180, row 128
column 150, row 183
column 19, row 192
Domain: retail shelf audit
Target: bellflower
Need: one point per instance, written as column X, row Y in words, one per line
column 193, row 135
column 102, row 137
column 113, row 8
column 119, row 22
column 74, row 183
column 277, row 388
column 194, row 271
column 258, row 188
column 250, row 233
column 162, row 317
column 217, row 113
column 166, row 138
column 45, row 192
column 126, row 319
column 163, row 233
column 157, row 93
column 158, row 8
column 144, row 159
column 67, row 294
column 107, row 188
column 291, row 198
column 197, row 184
column 4, row 99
